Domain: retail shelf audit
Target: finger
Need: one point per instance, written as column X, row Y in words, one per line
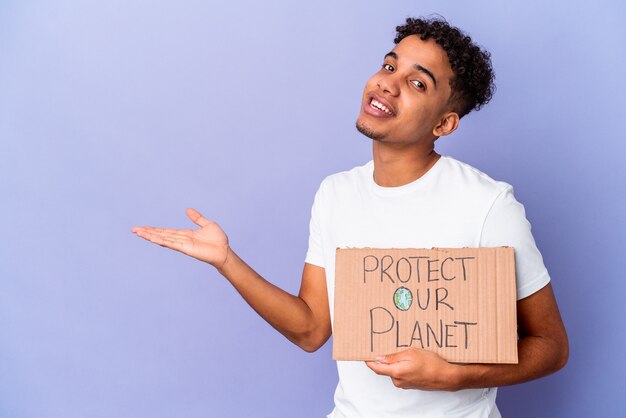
column 164, row 232
column 174, row 237
column 399, row 383
column 137, row 229
column 388, row 359
column 175, row 242
column 380, row 368
column 197, row 217
column 372, row 365
column 403, row 355
column 184, row 232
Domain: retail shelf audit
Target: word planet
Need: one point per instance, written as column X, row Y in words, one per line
column 403, row 298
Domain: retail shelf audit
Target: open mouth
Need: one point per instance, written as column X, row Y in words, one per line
column 375, row 104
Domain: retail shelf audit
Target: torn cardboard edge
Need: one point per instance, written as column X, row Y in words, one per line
column 457, row 302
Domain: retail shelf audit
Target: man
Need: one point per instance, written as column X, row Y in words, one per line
column 407, row 197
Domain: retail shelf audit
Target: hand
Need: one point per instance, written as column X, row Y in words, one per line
column 416, row 369
column 209, row 243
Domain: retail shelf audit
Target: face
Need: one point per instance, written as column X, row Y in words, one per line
column 407, row 99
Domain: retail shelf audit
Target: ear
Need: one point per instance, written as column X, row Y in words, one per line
column 447, row 124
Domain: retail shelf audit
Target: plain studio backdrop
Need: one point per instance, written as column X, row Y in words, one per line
column 122, row 113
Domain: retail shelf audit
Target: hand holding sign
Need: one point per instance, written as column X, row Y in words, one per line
column 209, row 243
column 416, row 369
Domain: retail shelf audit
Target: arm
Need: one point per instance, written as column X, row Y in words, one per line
column 303, row 319
column 542, row 350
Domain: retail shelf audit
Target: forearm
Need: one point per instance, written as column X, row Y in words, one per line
column 288, row 314
column 538, row 357
column 542, row 348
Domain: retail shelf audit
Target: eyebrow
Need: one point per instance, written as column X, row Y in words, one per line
column 418, row 67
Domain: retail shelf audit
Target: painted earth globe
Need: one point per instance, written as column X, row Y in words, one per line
column 402, row 298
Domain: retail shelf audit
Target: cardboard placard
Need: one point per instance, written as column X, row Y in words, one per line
column 458, row 302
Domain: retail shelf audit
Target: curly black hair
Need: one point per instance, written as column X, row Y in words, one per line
column 473, row 83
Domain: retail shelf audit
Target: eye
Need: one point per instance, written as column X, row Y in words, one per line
column 388, row 67
column 419, row 84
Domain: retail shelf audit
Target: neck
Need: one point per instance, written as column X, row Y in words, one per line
column 399, row 165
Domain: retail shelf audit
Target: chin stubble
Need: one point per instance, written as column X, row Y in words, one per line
column 376, row 136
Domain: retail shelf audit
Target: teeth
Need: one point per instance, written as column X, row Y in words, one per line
column 378, row 105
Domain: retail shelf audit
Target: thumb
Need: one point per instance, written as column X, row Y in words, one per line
column 197, row 217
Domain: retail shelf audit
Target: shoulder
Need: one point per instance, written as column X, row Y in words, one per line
column 467, row 179
column 347, row 180
column 463, row 172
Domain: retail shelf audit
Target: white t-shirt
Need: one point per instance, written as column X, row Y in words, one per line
column 452, row 205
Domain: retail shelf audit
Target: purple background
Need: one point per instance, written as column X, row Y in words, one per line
column 120, row 113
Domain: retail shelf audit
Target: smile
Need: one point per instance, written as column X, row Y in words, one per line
column 378, row 105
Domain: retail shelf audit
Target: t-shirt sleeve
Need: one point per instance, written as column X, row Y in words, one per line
column 315, row 253
column 506, row 225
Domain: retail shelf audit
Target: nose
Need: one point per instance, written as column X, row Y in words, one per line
column 389, row 84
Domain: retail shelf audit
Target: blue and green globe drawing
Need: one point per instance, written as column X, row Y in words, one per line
column 402, row 298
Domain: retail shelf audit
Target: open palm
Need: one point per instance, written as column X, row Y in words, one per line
column 209, row 243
